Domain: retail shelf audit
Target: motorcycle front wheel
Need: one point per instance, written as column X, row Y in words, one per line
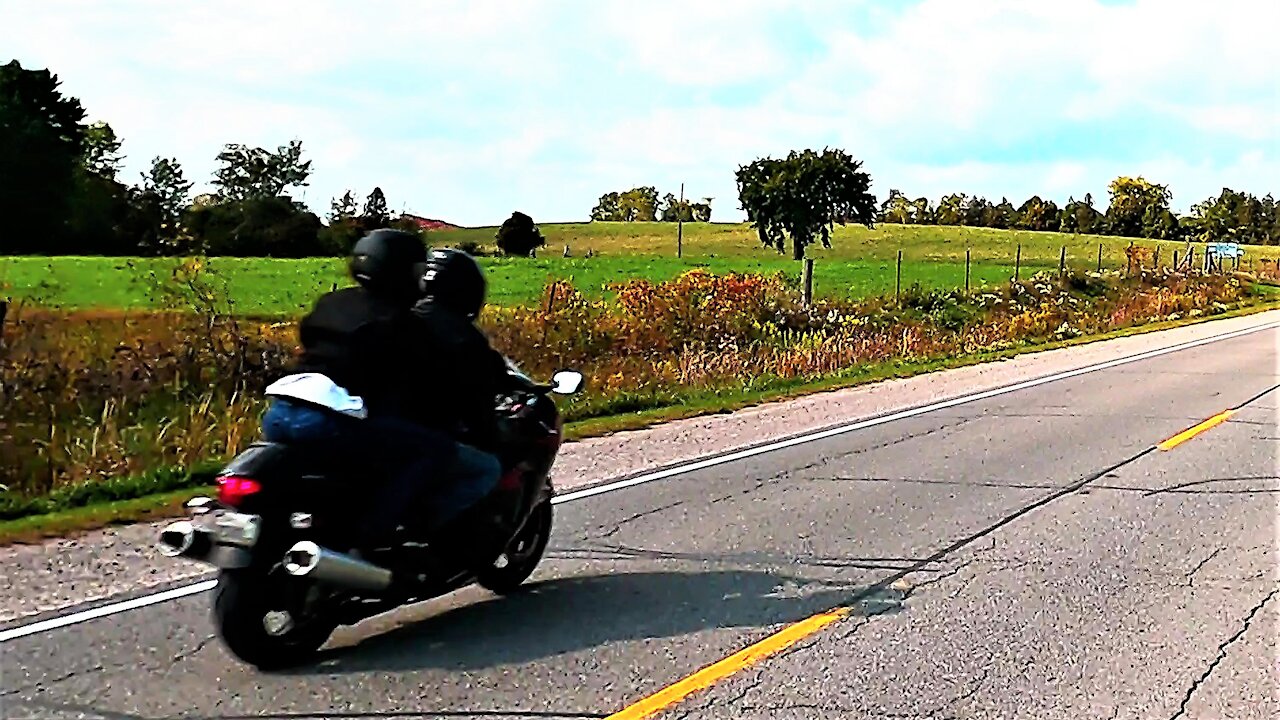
column 260, row 619
column 522, row 555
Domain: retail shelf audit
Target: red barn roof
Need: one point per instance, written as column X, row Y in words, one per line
column 428, row 223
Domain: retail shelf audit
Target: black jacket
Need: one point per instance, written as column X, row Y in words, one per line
column 467, row 375
column 370, row 345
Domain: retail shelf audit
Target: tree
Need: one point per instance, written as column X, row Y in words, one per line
column 608, row 208
column 639, row 204
column 951, row 209
column 257, row 227
column 676, row 210
column 375, row 213
column 254, row 173
column 102, row 151
column 519, row 236
column 803, row 196
column 343, row 208
column 1080, row 216
column 976, row 212
column 1002, row 216
column 1038, row 214
column 157, row 207
column 896, row 209
column 42, row 141
column 1136, row 207
column 921, row 212
column 1233, row 217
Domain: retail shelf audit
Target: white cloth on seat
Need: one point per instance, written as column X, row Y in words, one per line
column 318, row 389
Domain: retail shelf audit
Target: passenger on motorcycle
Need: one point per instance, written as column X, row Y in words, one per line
column 472, row 375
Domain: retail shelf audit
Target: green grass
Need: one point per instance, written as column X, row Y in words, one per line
column 861, row 263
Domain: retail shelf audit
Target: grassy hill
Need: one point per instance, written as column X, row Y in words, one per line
column 861, row 262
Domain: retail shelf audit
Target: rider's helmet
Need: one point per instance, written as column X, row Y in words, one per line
column 453, row 280
column 389, row 262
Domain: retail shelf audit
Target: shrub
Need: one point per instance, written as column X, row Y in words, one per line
column 519, row 236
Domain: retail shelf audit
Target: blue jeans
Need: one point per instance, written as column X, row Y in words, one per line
column 419, row 460
column 468, row 480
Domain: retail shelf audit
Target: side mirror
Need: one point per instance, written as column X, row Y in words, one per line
column 566, row 382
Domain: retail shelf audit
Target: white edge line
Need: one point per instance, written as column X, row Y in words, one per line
column 105, row 610
column 196, row 588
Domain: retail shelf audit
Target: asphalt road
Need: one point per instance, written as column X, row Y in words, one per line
column 1031, row 555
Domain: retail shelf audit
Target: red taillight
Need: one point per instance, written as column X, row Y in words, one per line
column 232, row 490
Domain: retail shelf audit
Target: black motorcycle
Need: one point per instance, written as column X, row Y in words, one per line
column 282, row 590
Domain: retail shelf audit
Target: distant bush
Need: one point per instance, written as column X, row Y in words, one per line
column 519, row 236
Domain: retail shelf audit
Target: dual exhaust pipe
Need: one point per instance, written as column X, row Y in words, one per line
column 305, row 559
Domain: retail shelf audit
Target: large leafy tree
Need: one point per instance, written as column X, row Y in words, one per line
column 800, row 198
column 1137, row 207
column 639, row 204
column 42, row 143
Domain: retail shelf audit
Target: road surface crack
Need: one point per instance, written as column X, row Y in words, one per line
column 759, row 484
column 1191, row 576
column 1222, row 653
column 632, row 518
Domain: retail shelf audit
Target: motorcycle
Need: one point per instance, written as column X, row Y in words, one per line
column 282, row 589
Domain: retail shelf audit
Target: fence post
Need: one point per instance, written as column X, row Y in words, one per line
column 967, row 265
column 1155, row 263
column 808, row 282
column 1062, row 263
column 1099, row 257
column 897, row 287
column 1017, row 263
column 680, row 225
column 1175, row 259
column 4, row 310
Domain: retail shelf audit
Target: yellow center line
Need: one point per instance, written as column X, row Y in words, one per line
column 741, row 660
column 1191, row 432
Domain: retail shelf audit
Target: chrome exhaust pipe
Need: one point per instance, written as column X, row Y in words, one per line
column 309, row 560
column 184, row 540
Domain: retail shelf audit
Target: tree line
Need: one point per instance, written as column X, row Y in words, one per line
column 642, row 205
column 799, row 199
column 1138, row 208
column 61, row 194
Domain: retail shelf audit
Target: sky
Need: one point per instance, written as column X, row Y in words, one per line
column 467, row 110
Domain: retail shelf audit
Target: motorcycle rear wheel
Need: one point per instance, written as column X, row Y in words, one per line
column 245, row 601
column 522, row 555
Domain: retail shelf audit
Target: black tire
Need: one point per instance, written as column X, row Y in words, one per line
column 241, row 602
column 523, row 554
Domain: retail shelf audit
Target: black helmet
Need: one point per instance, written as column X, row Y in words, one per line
column 454, row 280
column 389, row 262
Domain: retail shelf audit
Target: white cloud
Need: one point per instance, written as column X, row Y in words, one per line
column 469, row 108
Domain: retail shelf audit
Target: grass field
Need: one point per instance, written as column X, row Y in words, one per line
column 861, row 262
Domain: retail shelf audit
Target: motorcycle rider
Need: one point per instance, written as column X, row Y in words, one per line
column 452, row 295
column 363, row 354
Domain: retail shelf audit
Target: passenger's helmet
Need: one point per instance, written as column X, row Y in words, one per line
column 454, row 280
column 389, row 262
